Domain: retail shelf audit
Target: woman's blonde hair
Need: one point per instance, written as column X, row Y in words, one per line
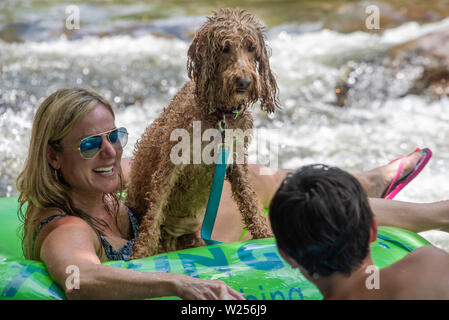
column 39, row 184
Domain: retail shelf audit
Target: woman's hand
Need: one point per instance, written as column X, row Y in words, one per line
column 189, row 288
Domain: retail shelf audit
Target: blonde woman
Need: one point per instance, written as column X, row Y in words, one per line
column 74, row 215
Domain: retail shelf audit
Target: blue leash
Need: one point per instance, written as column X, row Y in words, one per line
column 214, row 198
column 217, row 184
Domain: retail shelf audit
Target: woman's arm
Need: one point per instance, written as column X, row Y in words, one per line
column 74, row 244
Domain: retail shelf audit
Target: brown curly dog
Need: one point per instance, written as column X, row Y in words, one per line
column 229, row 71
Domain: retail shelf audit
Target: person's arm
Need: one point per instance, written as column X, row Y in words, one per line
column 74, row 243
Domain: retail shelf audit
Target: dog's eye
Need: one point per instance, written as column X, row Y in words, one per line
column 251, row 48
column 226, row 49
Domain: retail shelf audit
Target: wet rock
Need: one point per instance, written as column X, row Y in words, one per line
column 22, row 31
column 180, row 28
column 366, row 81
column 419, row 67
column 352, row 16
column 341, row 92
column 431, row 51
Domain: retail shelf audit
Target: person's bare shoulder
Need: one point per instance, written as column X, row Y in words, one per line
column 65, row 227
column 422, row 274
column 429, row 256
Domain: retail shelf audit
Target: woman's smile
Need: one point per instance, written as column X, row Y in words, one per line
column 105, row 171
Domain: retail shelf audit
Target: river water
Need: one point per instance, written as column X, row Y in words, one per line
column 134, row 53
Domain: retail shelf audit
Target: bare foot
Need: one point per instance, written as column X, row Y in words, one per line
column 377, row 180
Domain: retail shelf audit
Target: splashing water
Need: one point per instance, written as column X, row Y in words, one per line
column 140, row 74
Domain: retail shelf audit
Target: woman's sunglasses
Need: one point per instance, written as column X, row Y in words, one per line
column 90, row 146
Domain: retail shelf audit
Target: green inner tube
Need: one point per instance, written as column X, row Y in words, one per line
column 254, row 268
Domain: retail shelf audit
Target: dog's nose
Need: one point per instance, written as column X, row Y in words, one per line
column 243, row 82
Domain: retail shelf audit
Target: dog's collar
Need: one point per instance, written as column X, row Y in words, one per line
column 221, row 114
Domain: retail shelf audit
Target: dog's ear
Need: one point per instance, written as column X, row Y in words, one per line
column 202, row 65
column 269, row 99
column 193, row 60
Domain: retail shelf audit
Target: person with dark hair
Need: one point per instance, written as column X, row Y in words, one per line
column 324, row 225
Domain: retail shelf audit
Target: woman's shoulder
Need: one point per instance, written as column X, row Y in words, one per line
column 47, row 220
column 42, row 217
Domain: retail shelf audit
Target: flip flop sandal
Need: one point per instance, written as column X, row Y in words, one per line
column 398, row 184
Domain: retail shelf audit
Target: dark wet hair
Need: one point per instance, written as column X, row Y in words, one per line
column 321, row 218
